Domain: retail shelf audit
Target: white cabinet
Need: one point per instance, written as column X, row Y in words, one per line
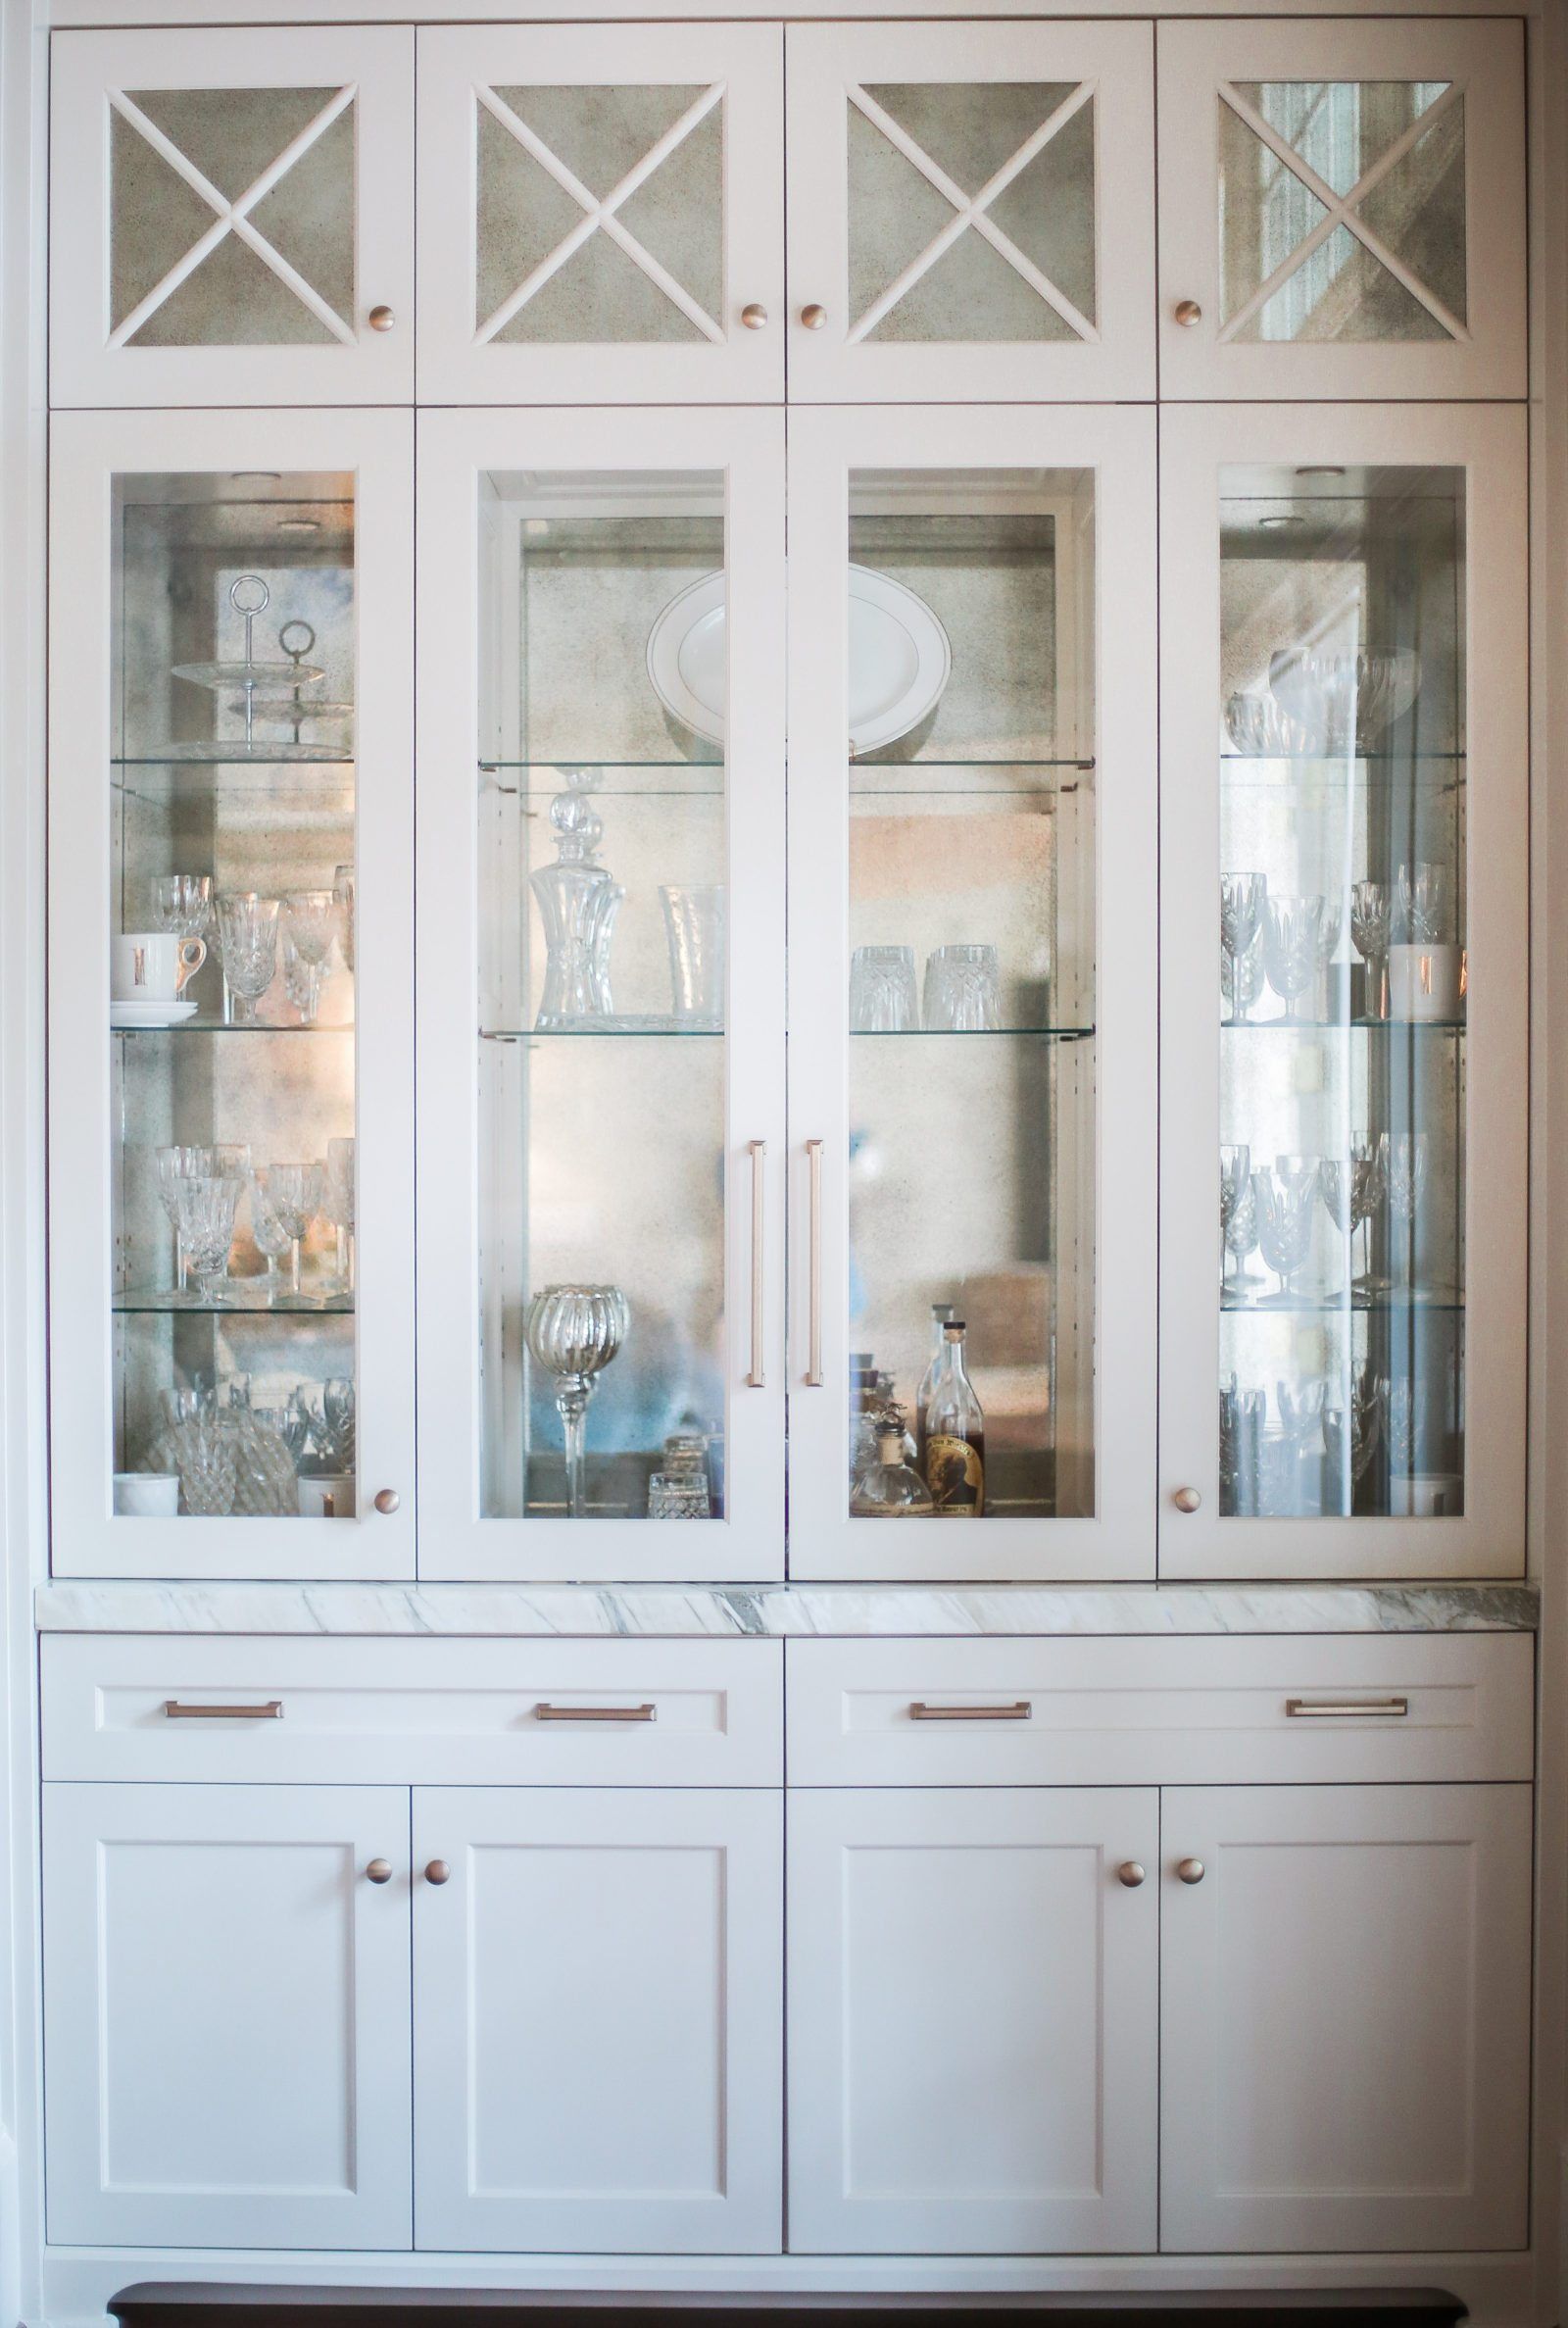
column 597, row 2032
column 232, row 217
column 973, row 2020
column 970, row 212
column 228, row 2016
column 1341, row 207
column 600, row 217
column 1346, row 2018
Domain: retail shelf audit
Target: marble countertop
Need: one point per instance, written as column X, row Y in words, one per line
column 763, row 1610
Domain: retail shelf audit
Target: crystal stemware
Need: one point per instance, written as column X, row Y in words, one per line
column 182, row 904
column 270, row 1232
column 247, row 943
column 882, row 994
column 1371, row 929
column 1397, row 1414
column 961, row 990
column 1424, row 903
column 1241, row 1435
column 174, row 1165
column 337, row 1208
column 1403, row 1163
column 1350, row 1437
column 205, row 1205
column 573, row 1331
column 1235, row 1183
column 343, row 891
column 1241, row 901
column 308, row 922
column 1241, row 981
column 197, row 1442
column 296, row 1191
column 1285, row 1224
column 1241, row 1236
column 1292, row 929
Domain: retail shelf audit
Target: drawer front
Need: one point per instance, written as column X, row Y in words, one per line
column 1134, row 1712
column 461, row 1711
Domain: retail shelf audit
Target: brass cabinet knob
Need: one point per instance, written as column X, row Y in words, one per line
column 1130, row 1873
column 813, row 318
column 754, row 317
column 438, row 1872
column 380, row 1871
column 1186, row 1499
column 1189, row 1870
column 387, row 1499
column 1187, row 312
column 381, row 319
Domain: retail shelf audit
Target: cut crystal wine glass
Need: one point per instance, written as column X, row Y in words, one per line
column 1284, row 1225
column 205, row 1205
column 247, row 943
column 1350, row 1436
column 1292, row 929
column 1371, row 929
column 1241, row 1236
column 1241, row 981
column 296, row 1190
column 573, row 1331
column 1424, row 903
column 308, row 918
column 174, row 1165
column 337, row 1206
column 1241, row 1434
column 1403, row 1163
column 1241, row 901
column 1235, row 1183
column 270, row 1228
column 182, row 904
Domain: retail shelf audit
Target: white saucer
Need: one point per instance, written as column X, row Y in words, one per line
column 133, row 1014
column 900, row 659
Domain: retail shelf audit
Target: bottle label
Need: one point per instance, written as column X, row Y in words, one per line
column 955, row 1477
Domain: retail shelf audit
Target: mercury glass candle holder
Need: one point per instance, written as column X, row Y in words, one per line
column 573, row 1331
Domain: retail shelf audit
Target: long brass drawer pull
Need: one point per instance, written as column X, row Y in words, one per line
column 919, row 1711
column 1330, row 1709
column 272, row 1712
column 595, row 1713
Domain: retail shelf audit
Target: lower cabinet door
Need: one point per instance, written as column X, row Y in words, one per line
column 1346, row 2022
column 226, row 2017
column 974, row 1996
column 598, row 2025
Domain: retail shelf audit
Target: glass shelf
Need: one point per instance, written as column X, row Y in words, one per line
column 597, row 1034
column 1345, row 1026
column 233, row 752
column 1440, row 1299
column 246, row 1298
column 971, row 1034
column 216, row 1026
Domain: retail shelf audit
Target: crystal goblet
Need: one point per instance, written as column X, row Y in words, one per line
column 247, row 944
column 205, row 1205
column 1350, row 1437
column 1424, row 903
column 337, row 1206
column 1292, row 929
column 1242, row 898
column 1371, row 929
column 1403, row 1163
column 1241, row 981
column 1241, row 1435
column 309, row 919
column 573, row 1331
column 271, row 1231
column 1285, row 1225
column 173, row 1165
column 1235, row 1183
column 296, row 1190
column 182, row 904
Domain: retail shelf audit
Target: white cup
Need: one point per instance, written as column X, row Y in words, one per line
column 1426, row 981
column 1427, row 1495
column 153, row 965
column 329, row 1498
column 147, row 1494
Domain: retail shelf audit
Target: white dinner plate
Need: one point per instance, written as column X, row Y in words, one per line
column 129, row 1015
column 900, row 659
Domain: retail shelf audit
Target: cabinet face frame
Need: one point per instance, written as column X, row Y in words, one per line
column 1118, row 446
column 86, row 364
column 1489, row 445
column 82, row 1827
column 457, row 452
column 742, row 1831
column 1203, row 2211
column 89, row 448
column 458, row 363
column 1116, row 360
column 1114, row 2212
column 1487, row 59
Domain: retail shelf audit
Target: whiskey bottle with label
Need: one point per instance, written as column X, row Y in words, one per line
column 955, row 1435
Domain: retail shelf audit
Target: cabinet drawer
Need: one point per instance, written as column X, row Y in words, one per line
column 461, row 1711
column 1126, row 1712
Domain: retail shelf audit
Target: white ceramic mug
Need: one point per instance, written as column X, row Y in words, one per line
column 153, row 965
column 1427, row 1495
column 1426, row 981
column 147, row 1494
column 328, row 1498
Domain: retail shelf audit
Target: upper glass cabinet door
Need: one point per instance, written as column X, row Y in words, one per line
column 600, row 1001
column 1344, row 992
column 1341, row 208
column 231, row 1039
column 971, row 211
column 972, row 993
column 232, row 217
column 601, row 214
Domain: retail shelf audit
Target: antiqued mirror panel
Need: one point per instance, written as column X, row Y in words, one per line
column 231, row 1002
column 600, row 214
column 1342, row 978
column 971, row 994
column 1342, row 210
column 603, row 997
column 231, row 217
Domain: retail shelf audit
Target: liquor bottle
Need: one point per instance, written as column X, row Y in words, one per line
column 955, row 1435
column 890, row 1488
column 940, row 1313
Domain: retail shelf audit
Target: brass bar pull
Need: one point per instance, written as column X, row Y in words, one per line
column 1319, row 1709
column 272, row 1712
column 756, row 1379
column 1021, row 1712
column 813, row 1363
column 595, row 1713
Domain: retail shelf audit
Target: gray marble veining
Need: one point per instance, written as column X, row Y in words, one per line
column 760, row 1610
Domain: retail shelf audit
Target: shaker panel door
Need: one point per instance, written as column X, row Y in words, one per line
column 232, row 217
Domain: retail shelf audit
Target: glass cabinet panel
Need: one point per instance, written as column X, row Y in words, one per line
column 232, row 995
column 1343, row 975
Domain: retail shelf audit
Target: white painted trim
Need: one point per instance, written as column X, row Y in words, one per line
column 63, row 13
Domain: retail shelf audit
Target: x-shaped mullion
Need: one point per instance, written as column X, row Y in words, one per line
column 599, row 214
column 1340, row 210
column 232, row 218
column 971, row 210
